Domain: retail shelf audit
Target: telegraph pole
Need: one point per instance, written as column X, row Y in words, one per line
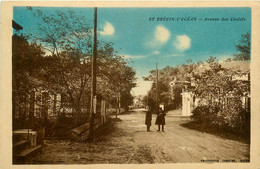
column 156, row 89
column 119, row 103
column 93, row 78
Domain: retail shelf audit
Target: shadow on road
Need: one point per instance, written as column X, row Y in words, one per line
column 115, row 120
column 108, row 129
column 215, row 131
column 143, row 131
column 123, row 113
column 127, row 112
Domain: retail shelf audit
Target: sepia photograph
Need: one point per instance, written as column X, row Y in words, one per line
column 130, row 85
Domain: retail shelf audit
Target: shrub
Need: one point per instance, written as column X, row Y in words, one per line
column 237, row 119
column 63, row 125
column 232, row 118
column 205, row 114
column 58, row 128
column 199, row 113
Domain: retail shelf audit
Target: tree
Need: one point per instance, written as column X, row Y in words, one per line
column 244, row 48
column 216, row 84
column 68, row 38
column 115, row 77
column 220, row 98
column 26, row 65
column 170, row 96
column 68, row 74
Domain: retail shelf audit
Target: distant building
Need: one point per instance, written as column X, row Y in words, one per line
column 138, row 102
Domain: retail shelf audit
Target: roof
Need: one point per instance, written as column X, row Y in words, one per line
column 16, row 26
column 234, row 65
column 237, row 65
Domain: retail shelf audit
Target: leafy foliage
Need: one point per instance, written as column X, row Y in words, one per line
column 221, row 104
column 26, row 58
column 69, row 39
column 244, row 47
column 66, row 67
column 169, row 95
column 26, row 61
column 233, row 118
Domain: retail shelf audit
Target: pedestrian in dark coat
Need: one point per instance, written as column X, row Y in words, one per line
column 148, row 119
column 160, row 119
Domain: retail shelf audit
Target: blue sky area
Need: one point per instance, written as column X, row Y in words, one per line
column 186, row 35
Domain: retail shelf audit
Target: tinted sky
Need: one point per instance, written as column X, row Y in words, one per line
column 169, row 43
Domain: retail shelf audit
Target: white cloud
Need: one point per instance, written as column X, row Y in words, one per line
column 108, row 29
column 162, row 34
column 174, row 55
column 134, row 56
column 156, row 52
column 182, row 43
column 160, row 37
column 127, row 56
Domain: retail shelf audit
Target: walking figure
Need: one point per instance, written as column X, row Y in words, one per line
column 160, row 119
column 148, row 119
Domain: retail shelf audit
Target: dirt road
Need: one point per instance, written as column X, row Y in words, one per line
column 126, row 141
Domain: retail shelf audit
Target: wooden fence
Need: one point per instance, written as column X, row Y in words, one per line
column 81, row 133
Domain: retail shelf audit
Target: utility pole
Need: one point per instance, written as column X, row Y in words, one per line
column 93, row 79
column 147, row 103
column 156, row 89
column 118, row 104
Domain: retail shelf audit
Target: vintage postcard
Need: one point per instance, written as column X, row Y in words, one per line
column 112, row 84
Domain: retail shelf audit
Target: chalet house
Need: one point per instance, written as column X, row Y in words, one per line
column 190, row 100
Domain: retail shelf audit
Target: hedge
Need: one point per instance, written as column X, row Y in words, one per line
column 231, row 118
